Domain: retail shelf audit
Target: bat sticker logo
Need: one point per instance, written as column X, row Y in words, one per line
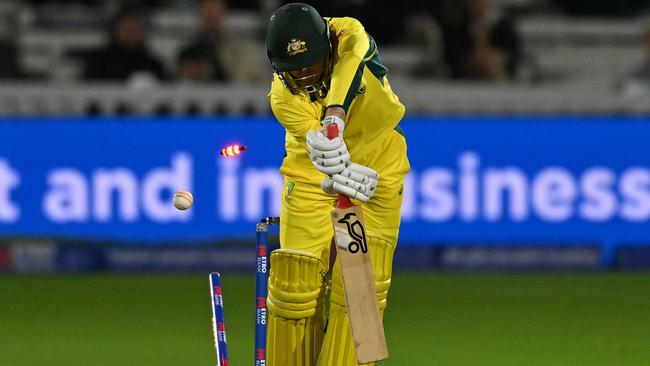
column 357, row 233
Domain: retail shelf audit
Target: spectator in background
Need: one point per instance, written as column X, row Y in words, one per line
column 228, row 58
column 192, row 65
column 9, row 65
column 638, row 82
column 384, row 19
column 126, row 55
column 478, row 43
column 244, row 4
column 643, row 71
column 607, row 8
column 210, row 40
column 9, row 51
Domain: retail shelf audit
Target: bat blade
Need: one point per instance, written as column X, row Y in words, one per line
column 359, row 284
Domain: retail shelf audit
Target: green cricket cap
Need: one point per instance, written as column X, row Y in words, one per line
column 296, row 37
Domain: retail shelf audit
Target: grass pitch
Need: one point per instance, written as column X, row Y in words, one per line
column 432, row 319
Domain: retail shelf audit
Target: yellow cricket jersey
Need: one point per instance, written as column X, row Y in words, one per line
column 359, row 85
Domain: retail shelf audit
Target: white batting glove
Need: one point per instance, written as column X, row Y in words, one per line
column 328, row 156
column 356, row 181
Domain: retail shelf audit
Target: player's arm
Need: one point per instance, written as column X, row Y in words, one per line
column 354, row 47
column 294, row 120
column 328, row 156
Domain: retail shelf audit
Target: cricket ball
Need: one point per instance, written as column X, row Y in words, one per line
column 183, row 200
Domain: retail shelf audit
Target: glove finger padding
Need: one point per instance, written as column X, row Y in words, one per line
column 356, row 181
column 328, row 156
column 364, row 170
column 331, row 187
column 314, row 153
column 359, row 187
column 327, row 186
column 339, row 160
column 351, row 192
column 331, row 171
column 359, row 178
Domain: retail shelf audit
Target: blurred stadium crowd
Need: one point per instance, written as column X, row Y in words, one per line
column 597, row 50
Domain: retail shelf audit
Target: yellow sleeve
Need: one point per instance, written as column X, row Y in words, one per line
column 354, row 48
column 293, row 118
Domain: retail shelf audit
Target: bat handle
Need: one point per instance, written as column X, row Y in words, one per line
column 332, row 130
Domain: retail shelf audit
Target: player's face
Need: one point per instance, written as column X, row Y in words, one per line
column 307, row 77
column 312, row 80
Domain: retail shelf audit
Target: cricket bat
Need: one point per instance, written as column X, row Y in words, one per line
column 358, row 279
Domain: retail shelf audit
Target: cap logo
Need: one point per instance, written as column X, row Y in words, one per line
column 296, row 47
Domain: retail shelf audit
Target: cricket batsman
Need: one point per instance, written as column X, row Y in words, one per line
column 328, row 70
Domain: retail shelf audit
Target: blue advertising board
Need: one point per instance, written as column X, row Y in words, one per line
column 474, row 180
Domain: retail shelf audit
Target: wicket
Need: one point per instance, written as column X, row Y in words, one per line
column 261, row 291
column 261, row 287
column 218, row 320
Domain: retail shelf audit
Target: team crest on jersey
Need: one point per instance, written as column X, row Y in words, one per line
column 296, row 47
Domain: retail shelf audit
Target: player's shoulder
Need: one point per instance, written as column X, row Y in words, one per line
column 277, row 89
column 285, row 103
column 279, row 93
column 345, row 23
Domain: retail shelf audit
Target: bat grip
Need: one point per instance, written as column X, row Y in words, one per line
column 332, row 130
